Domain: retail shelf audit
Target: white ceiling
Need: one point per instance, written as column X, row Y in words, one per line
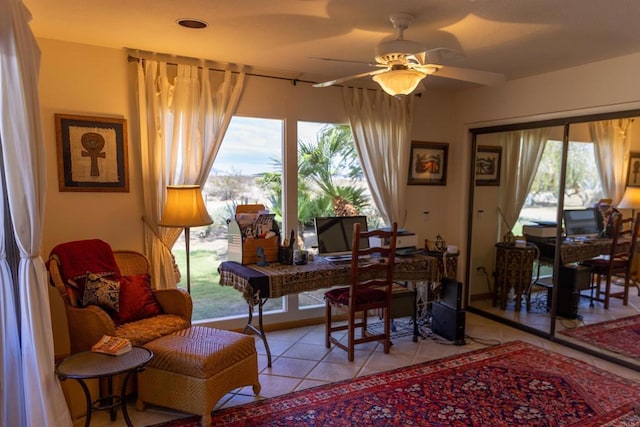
column 515, row 37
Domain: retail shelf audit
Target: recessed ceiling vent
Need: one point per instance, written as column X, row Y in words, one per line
column 192, row 23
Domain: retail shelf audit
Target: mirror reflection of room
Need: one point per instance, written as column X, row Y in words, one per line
column 523, row 267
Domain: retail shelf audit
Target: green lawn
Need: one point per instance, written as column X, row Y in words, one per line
column 210, row 300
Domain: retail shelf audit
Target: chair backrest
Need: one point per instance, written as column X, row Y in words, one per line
column 623, row 243
column 373, row 266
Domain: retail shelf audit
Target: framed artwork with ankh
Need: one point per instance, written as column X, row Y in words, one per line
column 92, row 153
column 633, row 174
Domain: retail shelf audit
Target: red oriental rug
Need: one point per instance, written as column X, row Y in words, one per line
column 620, row 336
column 515, row 384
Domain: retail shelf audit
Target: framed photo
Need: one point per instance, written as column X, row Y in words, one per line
column 488, row 159
column 92, row 153
column 633, row 177
column 428, row 163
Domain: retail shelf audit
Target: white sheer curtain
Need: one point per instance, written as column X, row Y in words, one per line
column 183, row 121
column 521, row 156
column 381, row 127
column 611, row 146
column 30, row 392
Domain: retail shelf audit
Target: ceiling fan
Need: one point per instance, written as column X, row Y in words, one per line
column 402, row 65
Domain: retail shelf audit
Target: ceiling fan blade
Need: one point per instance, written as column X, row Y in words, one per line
column 371, row 64
column 356, row 76
column 486, row 78
column 439, row 55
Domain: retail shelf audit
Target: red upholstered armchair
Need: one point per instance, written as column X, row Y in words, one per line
column 108, row 292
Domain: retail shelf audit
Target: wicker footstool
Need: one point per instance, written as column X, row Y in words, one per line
column 193, row 368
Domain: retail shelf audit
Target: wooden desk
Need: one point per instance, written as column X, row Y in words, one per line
column 257, row 284
column 571, row 250
column 447, row 263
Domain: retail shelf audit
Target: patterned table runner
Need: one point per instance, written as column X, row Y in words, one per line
column 276, row 280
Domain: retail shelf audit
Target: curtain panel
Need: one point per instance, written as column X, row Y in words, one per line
column 522, row 154
column 611, row 143
column 381, row 127
column 30, row 392
column 184, row 112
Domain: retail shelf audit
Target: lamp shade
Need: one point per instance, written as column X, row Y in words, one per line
column 399, row 82
column 185, row 207
column 630, row 199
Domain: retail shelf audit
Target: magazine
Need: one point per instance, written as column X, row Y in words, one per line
column 112, row 345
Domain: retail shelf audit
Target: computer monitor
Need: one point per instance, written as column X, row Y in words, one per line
column 335, row 234
column 581, row 223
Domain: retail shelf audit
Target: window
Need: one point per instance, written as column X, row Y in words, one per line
column 330, row 183
column 249, row 169
column 251, row 147
column 582, row 188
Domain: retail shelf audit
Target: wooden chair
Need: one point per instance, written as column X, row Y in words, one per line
column 618, row 263
column 370, row 288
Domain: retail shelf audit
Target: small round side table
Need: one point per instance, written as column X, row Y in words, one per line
column 90, row 365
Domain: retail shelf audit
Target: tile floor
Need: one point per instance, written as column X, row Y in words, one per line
column 300, row 360
column 538, row 317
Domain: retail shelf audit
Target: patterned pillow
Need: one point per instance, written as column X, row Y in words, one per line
column 75, row 286
column 102, row 292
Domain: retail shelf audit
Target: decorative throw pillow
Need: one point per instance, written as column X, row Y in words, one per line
column 76, row 285
column 136, row 299
column 102, row 292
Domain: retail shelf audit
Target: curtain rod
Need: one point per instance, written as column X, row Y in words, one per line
column 293, row 80
column 136, row 55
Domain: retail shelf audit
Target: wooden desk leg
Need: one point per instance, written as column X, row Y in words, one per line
column 259, row 331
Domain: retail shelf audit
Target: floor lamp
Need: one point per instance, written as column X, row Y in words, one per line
column 630, row 200
column 184, row 209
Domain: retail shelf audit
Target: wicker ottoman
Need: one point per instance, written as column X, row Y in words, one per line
column 193, row 368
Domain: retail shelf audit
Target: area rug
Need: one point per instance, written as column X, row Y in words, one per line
column 514, row 384
column 620, row 336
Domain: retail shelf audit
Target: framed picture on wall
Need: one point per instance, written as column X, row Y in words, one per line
column 633, row 174
column 488, row 159
column 428, row 163
column 92, row 153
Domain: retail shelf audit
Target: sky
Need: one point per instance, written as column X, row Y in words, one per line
column 251, row 143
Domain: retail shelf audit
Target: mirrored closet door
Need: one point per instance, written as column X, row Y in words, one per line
column 539, row 202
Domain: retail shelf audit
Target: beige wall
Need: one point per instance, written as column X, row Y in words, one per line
column 600, row 87
column 95, row 81
column 88, row 80
column 91, row 81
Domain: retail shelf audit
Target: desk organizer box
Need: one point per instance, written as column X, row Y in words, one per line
column 243, row 244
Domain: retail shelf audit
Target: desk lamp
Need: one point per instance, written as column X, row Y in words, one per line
column 185, row 208
column 630, row 200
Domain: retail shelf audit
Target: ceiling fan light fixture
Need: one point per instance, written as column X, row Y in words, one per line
column 399, row 82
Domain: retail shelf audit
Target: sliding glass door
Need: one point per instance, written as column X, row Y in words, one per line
column 523, row 177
